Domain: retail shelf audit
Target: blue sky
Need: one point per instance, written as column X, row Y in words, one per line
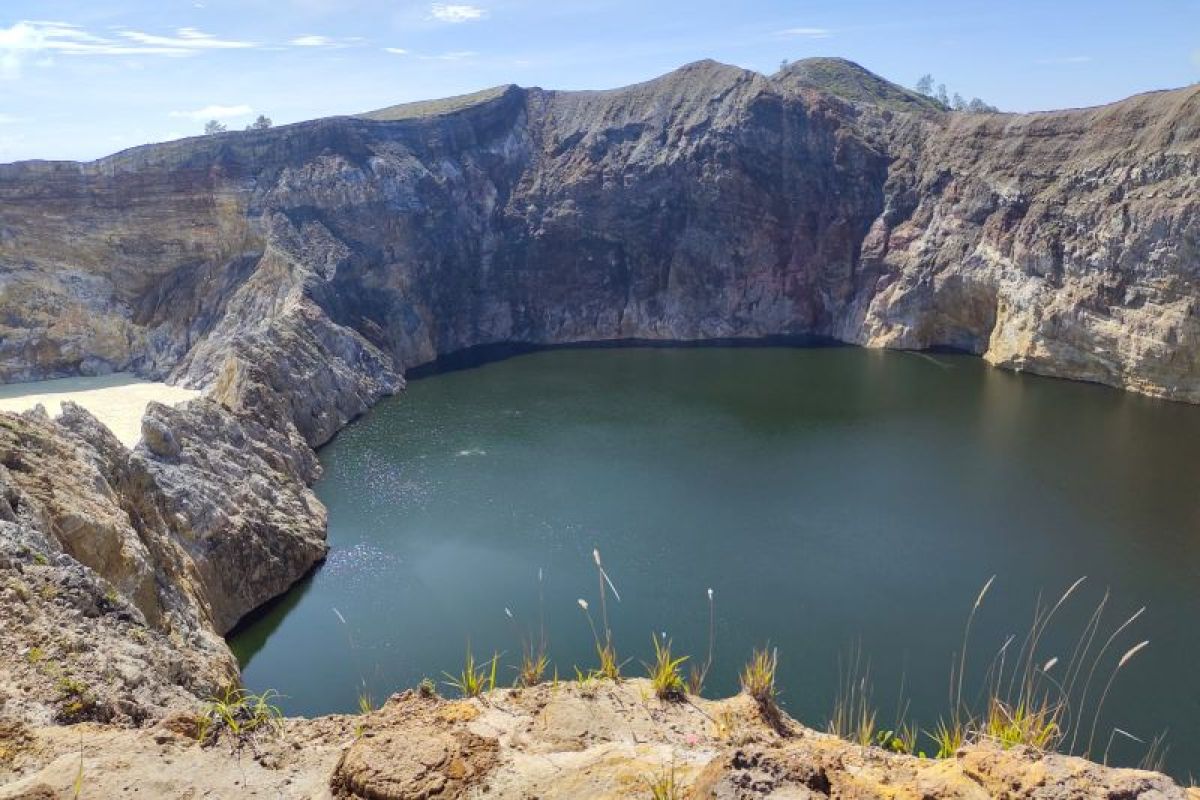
column 79, row 79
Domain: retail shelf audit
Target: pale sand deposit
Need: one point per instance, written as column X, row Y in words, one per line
column 117, row 400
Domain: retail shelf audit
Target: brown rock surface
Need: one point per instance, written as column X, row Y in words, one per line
column 550, row 742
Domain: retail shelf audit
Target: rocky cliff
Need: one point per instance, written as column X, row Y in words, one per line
column 711, row 202
column 296, row 273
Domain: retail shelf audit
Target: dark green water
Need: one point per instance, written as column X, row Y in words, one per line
column 829, row 496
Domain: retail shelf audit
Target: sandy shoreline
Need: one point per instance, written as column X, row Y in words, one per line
column 118, row 400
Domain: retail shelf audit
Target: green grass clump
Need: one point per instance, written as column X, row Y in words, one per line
column 1036, row 726
column 366, row 703
column 588, row 682
column 474, row 679
column 902, row 740
column 758, row 680
column 532, row 668
column 76, row 700
column 664, row 785
column 239, row 713
column 948, row 736
column 664, row 673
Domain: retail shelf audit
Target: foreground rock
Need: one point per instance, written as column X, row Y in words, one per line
column 119, row 570
column 547, row 742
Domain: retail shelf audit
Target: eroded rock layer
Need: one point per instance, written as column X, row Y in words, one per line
column 712, row 202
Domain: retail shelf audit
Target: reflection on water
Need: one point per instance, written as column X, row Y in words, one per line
column 829, row 496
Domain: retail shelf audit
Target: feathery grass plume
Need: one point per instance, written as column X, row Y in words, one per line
column 534, row 660
column 610, row 664
column 1112, row 735
column 1087, row 684
column 365, row 702
column 1155, row 759
column 664, row 786
column 698, row 675
column 995, row 671
column 1038, row 700
column 962, row 658
column 1084, row 645
column 664, row 673
column 1125, row 659
column 1029, row 648
column 854, row 717
column 474, row 679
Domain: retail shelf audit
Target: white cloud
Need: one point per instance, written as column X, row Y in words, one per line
column 312, row 40
column 454, row 13
column 806, row 33
column 454, row 55
column 214, row 112
column 7, row 119
column 186, row 39
column 399, row 51
column 38, row 40
column 1065, row 60
column 316, row 40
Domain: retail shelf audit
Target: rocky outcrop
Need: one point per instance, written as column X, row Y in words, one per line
column 146, row 557
column 611, row 742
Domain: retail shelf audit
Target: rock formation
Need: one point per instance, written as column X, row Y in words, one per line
column 295, row 273
column 552, row 742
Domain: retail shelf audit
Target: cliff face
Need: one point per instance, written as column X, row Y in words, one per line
column 712, row 202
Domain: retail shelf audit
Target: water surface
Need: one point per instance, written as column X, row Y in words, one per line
column 829, row 496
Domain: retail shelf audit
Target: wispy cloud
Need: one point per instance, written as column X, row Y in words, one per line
column 36, row 40
column 456, row 13
column 454, row 55
column 1065, row 60
column 7, row 119
column 316, row 40
column 214, row 112
column 805, row 33
column 186, row 41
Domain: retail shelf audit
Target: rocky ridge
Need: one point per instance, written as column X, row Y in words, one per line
column 295, row 274
column 552, row 741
